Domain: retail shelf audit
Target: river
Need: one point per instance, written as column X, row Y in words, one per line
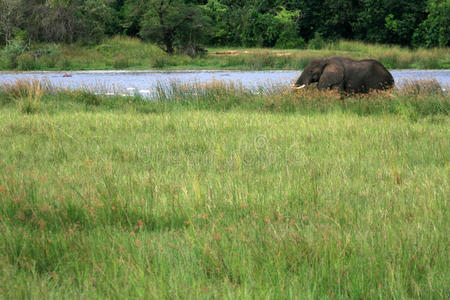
column 145, row 82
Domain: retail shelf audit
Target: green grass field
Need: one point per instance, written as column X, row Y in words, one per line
column 224, row 195
column 129, row 53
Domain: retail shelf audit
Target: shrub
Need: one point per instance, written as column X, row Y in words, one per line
column 317, row 42
column 26, row 61
column 11, row 52
column 65, row 63
column 121, row 62
column 287, row 41
column 51, row 54
column 162, row 61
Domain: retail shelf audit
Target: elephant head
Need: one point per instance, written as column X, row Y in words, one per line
column 311, row 73
column 329, row 73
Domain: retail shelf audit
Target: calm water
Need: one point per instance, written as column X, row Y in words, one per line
column 144, row 82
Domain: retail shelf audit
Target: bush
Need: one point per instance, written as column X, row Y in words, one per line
column 51, row 54
column 286, row 41
column 65, row 63
column 11, row 52
column 26, row 61
column 317, row 42
column 121, row 62
column 162, row 61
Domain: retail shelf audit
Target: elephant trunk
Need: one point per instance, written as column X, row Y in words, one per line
column 300, row 83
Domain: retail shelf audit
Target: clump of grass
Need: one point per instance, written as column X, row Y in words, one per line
column 417, row 87
column 26, row 94
column 65, row 63
column 87, row 97
column 162, row 61
column 26, row 61
column 121, row 62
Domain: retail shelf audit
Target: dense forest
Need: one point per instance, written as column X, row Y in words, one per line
column 177, row 24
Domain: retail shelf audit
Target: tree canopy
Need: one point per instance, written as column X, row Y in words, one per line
column 265, row 23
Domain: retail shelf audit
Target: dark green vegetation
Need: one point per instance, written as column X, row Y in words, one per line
column 268, row 23
column 83, row 34
column 212, row 191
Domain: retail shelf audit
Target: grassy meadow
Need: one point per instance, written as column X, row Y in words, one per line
column 129, row 53
column 216, row 192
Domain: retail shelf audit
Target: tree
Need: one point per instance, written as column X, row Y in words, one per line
column 10, row 16
column 435, row 30
column 174, row 24
column 95, row 17
column 388, row 21
column 133, row 12
column 288, row 37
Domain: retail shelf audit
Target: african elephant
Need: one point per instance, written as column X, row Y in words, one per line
column 346, row 75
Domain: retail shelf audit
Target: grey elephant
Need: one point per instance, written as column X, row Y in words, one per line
column 346, row 75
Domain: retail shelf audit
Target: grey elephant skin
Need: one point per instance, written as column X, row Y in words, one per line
column 346, row 75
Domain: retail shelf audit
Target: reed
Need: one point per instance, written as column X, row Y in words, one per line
column 25, row 94
column 415, row 99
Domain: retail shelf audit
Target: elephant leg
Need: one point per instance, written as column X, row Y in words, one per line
column 338, row 86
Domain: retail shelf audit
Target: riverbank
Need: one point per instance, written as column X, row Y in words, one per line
column 215, row 192
column 415, row 99
column 127, row 53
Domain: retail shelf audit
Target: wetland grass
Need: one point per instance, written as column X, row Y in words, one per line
column 210, row 192
column 131, row 53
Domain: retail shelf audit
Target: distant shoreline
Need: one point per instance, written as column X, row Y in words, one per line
column 126, row 54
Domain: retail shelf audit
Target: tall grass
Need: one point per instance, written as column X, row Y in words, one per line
column 213, row 191
column 415, row 99
column 130, row 53
column 26, row 94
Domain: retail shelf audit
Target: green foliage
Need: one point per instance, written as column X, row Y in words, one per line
column 174, row 24
column 11, row 52
column 177, row 24
column 96, row 16
column 289, row 40
column 435, row 30
column 121, row 62
column 288, row 37
column 317, row 42
column 131, row 53
column 26, row 62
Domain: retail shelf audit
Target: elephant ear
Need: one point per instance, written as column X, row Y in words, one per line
column 332, row 77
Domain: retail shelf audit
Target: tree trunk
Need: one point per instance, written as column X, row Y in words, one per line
column 169, row 47
column 168, row 42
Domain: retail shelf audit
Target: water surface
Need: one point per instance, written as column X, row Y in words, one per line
column 144, row 82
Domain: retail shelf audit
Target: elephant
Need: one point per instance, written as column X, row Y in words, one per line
column 346, row 75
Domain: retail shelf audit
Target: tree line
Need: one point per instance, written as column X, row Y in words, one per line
column 184, row 24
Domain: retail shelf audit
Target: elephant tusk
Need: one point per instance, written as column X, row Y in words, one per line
column 300, row 87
